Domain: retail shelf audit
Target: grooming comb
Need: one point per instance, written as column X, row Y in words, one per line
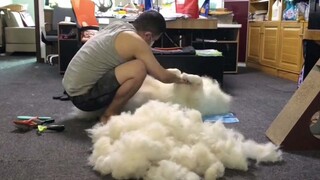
column 31, row 123
column 54, row 127
column 30, row 117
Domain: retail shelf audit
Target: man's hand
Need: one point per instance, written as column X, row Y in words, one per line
column 104, row 119
column 182, row 80
column 191, row 79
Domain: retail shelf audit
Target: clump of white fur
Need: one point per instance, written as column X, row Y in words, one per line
column 168, row 141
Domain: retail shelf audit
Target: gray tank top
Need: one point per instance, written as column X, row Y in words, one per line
column 97, row 56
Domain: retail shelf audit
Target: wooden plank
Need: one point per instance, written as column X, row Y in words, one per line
column 291, row 128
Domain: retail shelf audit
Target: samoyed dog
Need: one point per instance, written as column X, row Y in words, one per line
column 202, row 93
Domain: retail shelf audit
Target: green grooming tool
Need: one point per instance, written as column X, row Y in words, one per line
column 55, row 127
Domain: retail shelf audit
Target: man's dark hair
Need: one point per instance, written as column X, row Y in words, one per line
column 151, row 21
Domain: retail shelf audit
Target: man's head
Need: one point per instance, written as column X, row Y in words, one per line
column 150, row 25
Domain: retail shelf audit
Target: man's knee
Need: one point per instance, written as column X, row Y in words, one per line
column 140, row 68
column 134, row 69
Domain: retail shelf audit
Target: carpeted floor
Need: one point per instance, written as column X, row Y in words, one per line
column 27, row 88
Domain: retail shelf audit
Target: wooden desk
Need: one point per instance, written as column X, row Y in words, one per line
column 172, row 24
column 222, row 37
column 185, row 32
column 192, row 24
column 310, row 34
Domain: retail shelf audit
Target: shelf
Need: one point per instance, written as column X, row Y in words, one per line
column 310, row 34
column 259, row 1
column 214, row 41
column 61, row 39
column 227, row 42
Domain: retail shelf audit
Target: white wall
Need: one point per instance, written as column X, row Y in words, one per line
column 5, row 2
column 30, row 4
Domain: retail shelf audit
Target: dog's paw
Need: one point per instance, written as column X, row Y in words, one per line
column 193, row 79
column 175, row 71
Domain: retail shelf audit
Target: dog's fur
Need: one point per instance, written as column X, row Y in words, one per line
column 161, row 135
column 203, row 94
column 166, row 141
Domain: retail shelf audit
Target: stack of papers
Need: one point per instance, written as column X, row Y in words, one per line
column 225, row 118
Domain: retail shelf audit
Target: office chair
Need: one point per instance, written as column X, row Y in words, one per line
column 87, row 23
column 51, row 37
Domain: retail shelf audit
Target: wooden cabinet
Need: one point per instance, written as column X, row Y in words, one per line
column 291, row 49
column 263, row 46
column 276, row 47
column 270, row 45
column 254, row 42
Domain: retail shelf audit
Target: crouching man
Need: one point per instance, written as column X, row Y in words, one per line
column 112, row 65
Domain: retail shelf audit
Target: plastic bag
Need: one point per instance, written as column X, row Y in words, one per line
column 204, row 10
column 189, row 7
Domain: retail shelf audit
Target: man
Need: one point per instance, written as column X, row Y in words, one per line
column 111, row 66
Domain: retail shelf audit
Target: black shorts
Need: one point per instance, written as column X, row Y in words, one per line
column 101, row 94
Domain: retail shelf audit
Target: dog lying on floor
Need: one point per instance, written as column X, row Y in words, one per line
column 203, row 94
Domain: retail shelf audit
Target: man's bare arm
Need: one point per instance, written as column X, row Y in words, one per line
column 132, row 46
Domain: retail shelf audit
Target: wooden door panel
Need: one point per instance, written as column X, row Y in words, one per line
column 270, row 46
column 291, row 47
column 254, row 43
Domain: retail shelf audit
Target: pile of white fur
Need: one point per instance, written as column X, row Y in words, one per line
column 164, row 141
column 161, row 136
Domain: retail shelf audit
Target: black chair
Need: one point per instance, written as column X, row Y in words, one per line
column 50, row 38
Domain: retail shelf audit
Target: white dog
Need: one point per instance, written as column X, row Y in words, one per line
column 203, row 94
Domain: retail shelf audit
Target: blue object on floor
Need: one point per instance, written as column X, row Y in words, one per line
column 225, row 118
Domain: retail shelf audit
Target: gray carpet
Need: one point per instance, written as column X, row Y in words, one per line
column 27, row 88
